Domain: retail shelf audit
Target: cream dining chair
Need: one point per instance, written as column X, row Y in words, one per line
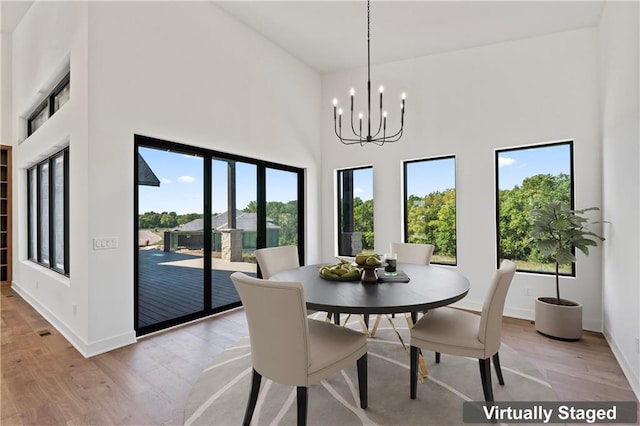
column 277, row 259
column 291, row 349
column 419, row 254
column 456, row 332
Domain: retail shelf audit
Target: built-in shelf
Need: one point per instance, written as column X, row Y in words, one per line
column 5, row 215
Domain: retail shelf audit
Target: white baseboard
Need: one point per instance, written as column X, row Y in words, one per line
column 525, row 314
column 633, row 379
column 87, row 349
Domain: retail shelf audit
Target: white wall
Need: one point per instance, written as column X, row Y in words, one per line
column 185, row 72
column 469, row 103
column 621, row 161
column 50, row 39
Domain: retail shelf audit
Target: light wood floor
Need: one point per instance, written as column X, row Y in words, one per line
column 46, row 381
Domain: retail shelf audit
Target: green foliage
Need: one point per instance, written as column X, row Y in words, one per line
column 363, row 221
column 557, row 230
column 285, row 215
column 152, row 220
column 515, row 213
column 432, row 220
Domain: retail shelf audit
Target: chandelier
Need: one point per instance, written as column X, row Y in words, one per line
column 357, row 137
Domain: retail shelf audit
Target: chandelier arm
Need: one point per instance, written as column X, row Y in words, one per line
column 353, row 129
column 396, row 134
column 350, row 141
column 380, row 123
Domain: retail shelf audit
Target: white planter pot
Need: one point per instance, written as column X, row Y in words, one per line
column 559, row 321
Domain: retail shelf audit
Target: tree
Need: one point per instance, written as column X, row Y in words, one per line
column 514, row 217
column 363, row 221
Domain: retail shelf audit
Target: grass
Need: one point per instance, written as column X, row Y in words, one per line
column 525, row 265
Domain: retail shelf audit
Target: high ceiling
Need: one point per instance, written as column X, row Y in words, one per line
column 331, row 35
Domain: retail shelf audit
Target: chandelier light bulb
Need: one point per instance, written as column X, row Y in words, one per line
column 352, row 92
column 339, row 111
column 381, row 89
column 360, row 116
column 384, row 114
column 335, row 101
column 403, row 96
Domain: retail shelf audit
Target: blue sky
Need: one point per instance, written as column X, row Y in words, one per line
column 425, row 177
column 514, row 166
column 181, row 184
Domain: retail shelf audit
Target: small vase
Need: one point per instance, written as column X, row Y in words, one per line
column 369, row 275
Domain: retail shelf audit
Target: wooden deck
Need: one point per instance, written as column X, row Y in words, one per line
column 168, row 289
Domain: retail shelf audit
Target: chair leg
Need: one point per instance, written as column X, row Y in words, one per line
column 437, row 357
column 363, row 381
column 253, row 397
column 413, row 371
column 496, row 365
column 485, row 376
column 303, row 399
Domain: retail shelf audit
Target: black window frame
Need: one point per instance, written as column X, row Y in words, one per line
column 208, row 156
column 34, row 254
column 498, row 152
column 48, row 104
column 340, row 211
column 405, row 164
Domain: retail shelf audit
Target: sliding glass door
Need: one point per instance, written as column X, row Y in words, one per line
column 234, row 226
column 200, row 216
column 170, row 235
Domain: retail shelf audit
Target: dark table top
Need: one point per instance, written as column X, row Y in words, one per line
column 429, row 287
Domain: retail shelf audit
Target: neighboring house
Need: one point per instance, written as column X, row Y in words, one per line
column 190, row 234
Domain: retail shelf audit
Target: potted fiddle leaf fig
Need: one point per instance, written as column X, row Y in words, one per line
column 558, row 231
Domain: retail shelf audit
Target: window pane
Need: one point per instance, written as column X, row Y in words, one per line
column 58, row 212
column 43, row 220
column 61, row 97
column 282, row 208
column 234, row 236
column 39, row 119
column 170, row 236
column 355, row 211
column 430, row 200
column 527, row 178
column 33, row 214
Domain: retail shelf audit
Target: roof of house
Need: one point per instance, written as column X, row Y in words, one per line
column 145, row 174
column 246, row 221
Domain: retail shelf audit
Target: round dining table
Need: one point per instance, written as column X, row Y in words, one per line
column 429, row 287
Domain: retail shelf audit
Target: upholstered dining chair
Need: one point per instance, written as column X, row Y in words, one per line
column 413, row 253
column 276, row 259
column 419, row 254
column 290, row 348
column 452, row 331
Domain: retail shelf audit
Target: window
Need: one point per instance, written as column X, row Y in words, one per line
column 54, row 101
column 526, row 178
column 48, row 222
column 200, row 215
column 355, row 211
column 430, row 206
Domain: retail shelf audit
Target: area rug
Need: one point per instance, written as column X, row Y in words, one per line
column 220, row 394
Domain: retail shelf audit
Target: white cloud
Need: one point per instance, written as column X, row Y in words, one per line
column 165, row 180
column 186, row 179
column 358, row 191
column 506, row 161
